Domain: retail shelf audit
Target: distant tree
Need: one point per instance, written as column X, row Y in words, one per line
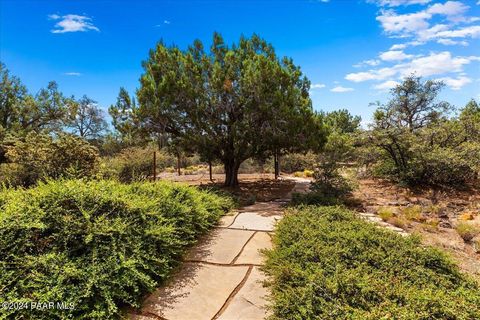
column 417, row 142
column 12, row 95
column 230, row 104
column 342, row 121
column 470, row 118
column 413, row 105
column 87, row 119
column 123, row 114
column 21, row 113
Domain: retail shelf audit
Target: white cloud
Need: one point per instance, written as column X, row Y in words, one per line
column 417, row 24
column 72, row 23
column 396, row 3
column 471, row 32
column 456, row 84
column 398, row 46
column 317, row 86
column 386, row 85
column 393, row 23
column 454, row 10
column 76, row 74
column 425, row 66
column 394, row 55
column 450, row 42
column 433, row 64
column 341, row 89
column 166, row 22
column 380, row 74
column 371, row 63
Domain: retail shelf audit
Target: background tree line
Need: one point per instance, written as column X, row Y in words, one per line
column 227, row 105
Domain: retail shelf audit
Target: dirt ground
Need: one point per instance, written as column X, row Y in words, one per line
column 441, row 211
column 252, row 187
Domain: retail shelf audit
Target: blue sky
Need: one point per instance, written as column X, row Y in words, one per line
column 352, row 51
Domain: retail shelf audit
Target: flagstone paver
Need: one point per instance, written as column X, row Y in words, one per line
column 220, row 278
column 220, row 246
column 252, row 254
column 198, row 292
column 255, row 221
column 249, row 302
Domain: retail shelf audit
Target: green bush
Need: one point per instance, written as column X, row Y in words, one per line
column 293, row 162
column 40, row 156
column 135, row 164
column 99, row 245
column 467, row 230
column 329, row 264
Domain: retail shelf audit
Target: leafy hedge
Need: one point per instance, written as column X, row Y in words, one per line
column 328, row 264
column 99, row 245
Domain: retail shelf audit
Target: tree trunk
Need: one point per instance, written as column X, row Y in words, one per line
column 275, row 164
column 231, row 173
column 210, row 170
column 178, row 165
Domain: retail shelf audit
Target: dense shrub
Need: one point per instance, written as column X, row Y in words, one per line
column 41, row 156
column 96, row 245
column 134, row 164
column 329, row 264
column 415, row 140
column 293, row 162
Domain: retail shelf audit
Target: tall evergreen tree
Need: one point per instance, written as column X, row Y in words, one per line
column 230, row 103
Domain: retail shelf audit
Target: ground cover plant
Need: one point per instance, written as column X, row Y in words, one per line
column 98, row 245
column 329, row 264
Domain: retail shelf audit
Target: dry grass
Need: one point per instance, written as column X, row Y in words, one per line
column 385, row 213
column 413, row 213
column 467, row 230
column 399, row 222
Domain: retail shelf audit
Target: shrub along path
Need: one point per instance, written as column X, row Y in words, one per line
column 221, row 278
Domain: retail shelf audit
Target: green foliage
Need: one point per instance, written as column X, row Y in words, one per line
column 293, row 162
column 134, row 164
column 342, row 121
column 329, row 264
column 87, row 119
column 229, row 104
column 412, row 212
column 467, row 230
column 417, row 144
column 40, row 156
column 99, row 245
column 328, row 179
column 315, row 198
column 385, row 213
column 124, row 117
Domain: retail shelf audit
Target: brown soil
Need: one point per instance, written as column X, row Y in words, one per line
column 440, row 213
column 252, row 187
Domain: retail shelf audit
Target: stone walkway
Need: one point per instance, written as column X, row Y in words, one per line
column 221, row 278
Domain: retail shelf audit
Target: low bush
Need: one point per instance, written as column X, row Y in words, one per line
column 385, row 213
column 467, row 230
column 329, row 264
column 399, row 222
column 40, row 156
column 413, row 213
column 134, row 164
column 97, row 245
column 293, row 162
